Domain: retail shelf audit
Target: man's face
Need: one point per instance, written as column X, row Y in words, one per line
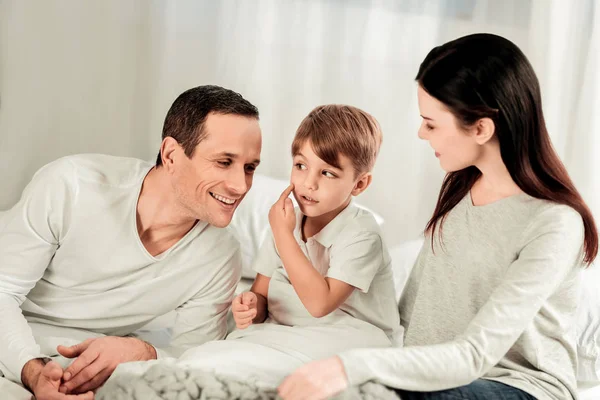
column 211, row 184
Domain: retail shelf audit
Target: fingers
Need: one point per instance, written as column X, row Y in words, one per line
column 286, row 389
column 286, row 193
column 237, row 305
column 85, row 376
column 245, row 315
column 243, row 325
column 81, row 362
column 85, row 396
column 52, row 371
column 288, row 206
column 75, row 350
column 94, row 383
column 249, row 299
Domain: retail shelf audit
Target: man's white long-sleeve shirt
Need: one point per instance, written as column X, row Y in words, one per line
column 71, row 256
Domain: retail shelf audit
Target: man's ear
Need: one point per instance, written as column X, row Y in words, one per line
column 169, row 152
column 362, row 183
column 484, row 130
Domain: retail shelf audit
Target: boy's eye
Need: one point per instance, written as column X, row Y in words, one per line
column 329, row 174
column 300, row 166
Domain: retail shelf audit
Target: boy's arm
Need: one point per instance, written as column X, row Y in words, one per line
column 320, row 295
column 260, row 288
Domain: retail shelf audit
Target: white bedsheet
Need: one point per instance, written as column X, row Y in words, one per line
column 589, row 391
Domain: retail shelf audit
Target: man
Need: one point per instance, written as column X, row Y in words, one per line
column 98, row 246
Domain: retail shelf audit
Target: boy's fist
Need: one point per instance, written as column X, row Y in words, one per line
column 244, row 309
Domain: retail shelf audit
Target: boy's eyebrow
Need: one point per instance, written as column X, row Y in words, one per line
column 234, row 156
column 427, row 118
column 332, row 166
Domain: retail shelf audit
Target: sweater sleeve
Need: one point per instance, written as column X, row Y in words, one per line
column 30, row 234
column 551, row 248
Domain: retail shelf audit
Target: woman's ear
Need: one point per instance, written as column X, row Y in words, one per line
column 362, row 183
column 484, row 130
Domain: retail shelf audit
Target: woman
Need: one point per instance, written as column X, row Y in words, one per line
column 489, row 306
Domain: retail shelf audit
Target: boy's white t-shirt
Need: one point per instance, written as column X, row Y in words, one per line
column 350, row 249
column 71, row 256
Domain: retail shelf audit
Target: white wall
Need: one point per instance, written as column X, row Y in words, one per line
column 99, row 76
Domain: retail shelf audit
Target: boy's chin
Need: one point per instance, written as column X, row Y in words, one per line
column 310, row 211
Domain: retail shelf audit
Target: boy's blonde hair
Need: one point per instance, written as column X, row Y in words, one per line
column 336, row 129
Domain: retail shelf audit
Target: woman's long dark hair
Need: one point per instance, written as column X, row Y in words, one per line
column 487, row 76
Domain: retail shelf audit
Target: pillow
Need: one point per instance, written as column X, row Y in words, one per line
column 588, row 326
column 250, row 222
column 588, row 313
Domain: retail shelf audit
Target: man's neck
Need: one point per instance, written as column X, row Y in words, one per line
column 160, row 220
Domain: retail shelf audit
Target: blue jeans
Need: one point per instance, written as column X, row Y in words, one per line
column 481, row 389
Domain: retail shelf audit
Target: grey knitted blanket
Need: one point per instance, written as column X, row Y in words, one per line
column 171, row 382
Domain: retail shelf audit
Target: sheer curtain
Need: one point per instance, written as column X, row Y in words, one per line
column 100, row 76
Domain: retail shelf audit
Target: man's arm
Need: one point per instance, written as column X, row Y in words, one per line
column 29, row 235
column 201, row 319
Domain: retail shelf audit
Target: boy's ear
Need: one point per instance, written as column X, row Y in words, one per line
column 362, row 183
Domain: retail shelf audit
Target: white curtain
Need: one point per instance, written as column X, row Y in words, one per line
column 99, row 76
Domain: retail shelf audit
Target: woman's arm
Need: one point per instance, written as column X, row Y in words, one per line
column 552, row 249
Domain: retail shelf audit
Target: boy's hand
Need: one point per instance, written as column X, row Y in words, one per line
column 244, row 309
column 282, row 216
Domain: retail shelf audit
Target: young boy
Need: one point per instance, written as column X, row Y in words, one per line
column 326, row 263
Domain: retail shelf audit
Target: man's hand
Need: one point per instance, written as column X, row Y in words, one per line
column 282, row 216
column 98, row 358
column 44, row 381
column 317, row 380
column 244, row 309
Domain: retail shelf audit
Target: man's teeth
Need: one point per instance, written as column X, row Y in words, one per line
column 222, row 199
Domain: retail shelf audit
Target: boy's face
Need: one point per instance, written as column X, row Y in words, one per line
column 321, row 189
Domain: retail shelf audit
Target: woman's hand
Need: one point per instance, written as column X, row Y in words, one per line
column 315, row 381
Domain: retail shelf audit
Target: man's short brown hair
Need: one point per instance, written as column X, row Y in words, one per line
column 336, row 129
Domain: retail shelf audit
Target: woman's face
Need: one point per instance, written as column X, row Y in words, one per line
column 455, row 147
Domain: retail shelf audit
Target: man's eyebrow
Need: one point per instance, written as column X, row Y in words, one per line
column 234, row 156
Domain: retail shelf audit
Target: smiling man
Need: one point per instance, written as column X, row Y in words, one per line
column 98, row 246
